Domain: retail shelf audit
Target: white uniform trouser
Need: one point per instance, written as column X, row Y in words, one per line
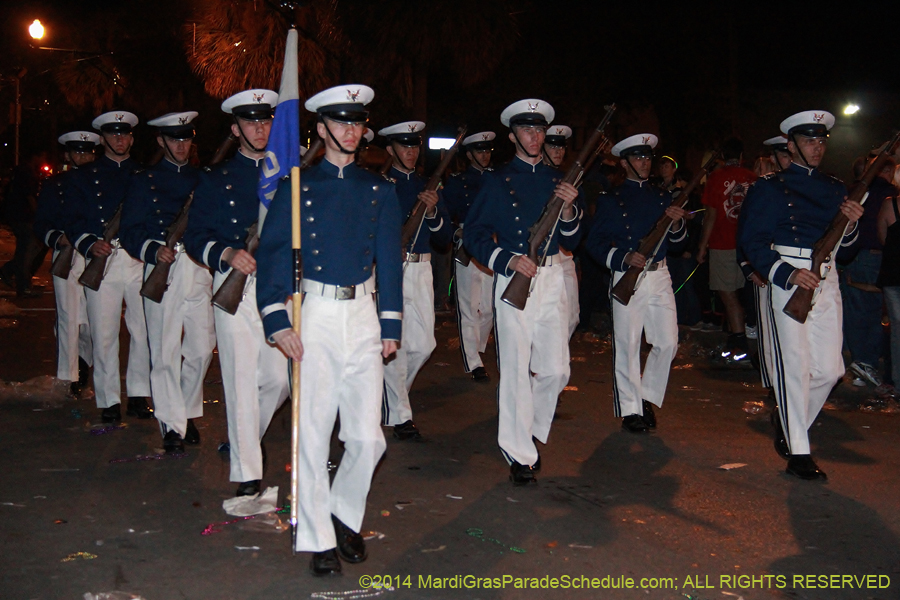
column 178, row 387
column 104, row 307
column 73, row 334
column 763, row 333
column 416, row 345
column 255, row 378
column 341, row 373
column 806, row 358
column 651, row 311
column 474, row 311
column 571, row 277
column 530, row 341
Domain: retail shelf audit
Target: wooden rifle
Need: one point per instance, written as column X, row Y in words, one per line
column 519, row 287
column 800, row 303
column 95, row 270
column 629, row 282
column 229, row 295
column 410, row 231
column 157, row 281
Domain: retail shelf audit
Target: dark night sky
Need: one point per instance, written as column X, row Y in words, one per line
column 667, row 65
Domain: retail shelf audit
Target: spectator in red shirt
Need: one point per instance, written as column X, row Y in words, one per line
column 725, row 191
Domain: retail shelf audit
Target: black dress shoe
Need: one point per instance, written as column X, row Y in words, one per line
column 325, row 563
column 407, row 431
column 350, row 545
column 537, row 464
column 191, row 435
column 172, row 443
column 111, row 414
column 84, row 371
column 649, row 415
column 248, row 488
column 139, row 407
column 75, row 389
column 804, row 467
column 521, row 474
column 635, row 424
column 480, row 374
column 781, row 445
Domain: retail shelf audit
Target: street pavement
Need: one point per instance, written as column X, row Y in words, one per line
column 610, row 508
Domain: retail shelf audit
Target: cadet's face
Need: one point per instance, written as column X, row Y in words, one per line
column 257, row 132
column 531, row 138
column 120, row 142
column 783, row 158
column 180, row 149
column 482, row 157
column 813, row 149
column 407, row 155
column 348, row 134
column 641, row 164
column 556, row 154
column 79, row 159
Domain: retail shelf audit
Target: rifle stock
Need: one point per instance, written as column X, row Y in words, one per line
column 157, row 281
column 627, row 284
column 229, row 295
column 519, row 287
column 62, row 264
column 96, row 267
column 414, row 223
column 800, row 302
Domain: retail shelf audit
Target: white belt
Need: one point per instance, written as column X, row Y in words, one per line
column 114, row 243
column 339, row 292
column 792, row 251
column 554, row 259
column 657, row 265
column 413, row 257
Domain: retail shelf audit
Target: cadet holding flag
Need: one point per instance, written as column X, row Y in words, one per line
column 156, row 197
column 350, row 221
column 225, row 206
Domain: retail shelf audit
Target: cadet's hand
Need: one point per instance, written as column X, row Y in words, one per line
column 62, row 242
column 852, row 210
column 757, row 280
column 240, row 260
column 636, row 260
column 567, row 192
column 430, row 198
column 100, row 248
column 165, row 255
column 524, row 265
column 676, row 213
column 804, row 278
column 388, row 347
column 288, row 341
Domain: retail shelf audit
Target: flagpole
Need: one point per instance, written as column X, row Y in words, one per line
column 295, row 364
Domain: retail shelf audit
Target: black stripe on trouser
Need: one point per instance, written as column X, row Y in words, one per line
column 778, row 366
column 509, row 459
column 617, row 410
column 385, row 409
column 760, row 342
column 462, row 343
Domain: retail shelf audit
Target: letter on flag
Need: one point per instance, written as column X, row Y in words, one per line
column 283, row 150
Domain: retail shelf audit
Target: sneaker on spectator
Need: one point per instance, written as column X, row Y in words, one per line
column 711, row 327
column 857, row 382
column 751, row 332
column 697, row 326
column 866, row 373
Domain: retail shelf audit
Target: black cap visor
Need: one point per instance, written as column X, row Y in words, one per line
column 254, row 112
column 80, row 146
column 557, row 141
column 480, row 147
column 411, row 139
column 115, row 128
column 811, row 130
column 639, row 151
column 528, row 119
column 179, row 132
column 345, row 113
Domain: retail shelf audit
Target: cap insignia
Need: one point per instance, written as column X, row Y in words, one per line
column 182, row 120
column 818, row 118
column 412, row 127
column 485, row 136
column 120, row 118
column 258, row 98
column 84, row 137
column 352, row 96
column 645, row 139
column 559, row 131
column 533, row 107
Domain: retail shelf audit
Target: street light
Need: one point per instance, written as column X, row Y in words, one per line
column 36, row 30
column 851, row 109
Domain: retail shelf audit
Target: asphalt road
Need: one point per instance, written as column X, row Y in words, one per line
column 609, row 506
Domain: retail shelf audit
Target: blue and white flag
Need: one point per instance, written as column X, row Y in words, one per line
column 283, row 149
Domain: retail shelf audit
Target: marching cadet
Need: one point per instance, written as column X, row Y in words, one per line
column 780, row 153
column 73, row 334
column 345, row 333
column 554, row 156
column 474, row 282
column 93, row 197
column 155, row 198
column 404, row 140
column 629, row 212
column 532, row 340
column 225, row 206
column 783, row 217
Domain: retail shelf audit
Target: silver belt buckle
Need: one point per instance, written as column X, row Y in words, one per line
column 346, row 292
column 412, row 257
